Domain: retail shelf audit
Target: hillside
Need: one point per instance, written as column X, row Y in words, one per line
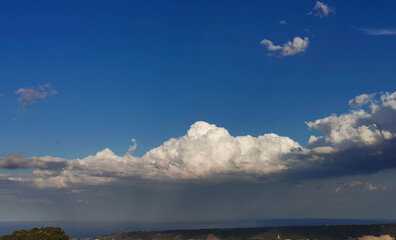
column 325, row 232
column 47, row 233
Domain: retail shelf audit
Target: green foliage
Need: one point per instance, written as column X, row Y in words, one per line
column 47, row 233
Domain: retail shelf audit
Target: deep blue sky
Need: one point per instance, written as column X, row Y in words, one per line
column 81, row 76
column 149, row 69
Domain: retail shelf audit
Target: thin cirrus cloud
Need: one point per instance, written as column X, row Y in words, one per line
column 298, row 45
column 31, row 95
column 377, row 32
column 321, row 10
column 360, row 141
column 360, row 186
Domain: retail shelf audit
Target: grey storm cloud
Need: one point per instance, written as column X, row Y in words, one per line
column 30, row 95
column 15, row 161
column 360, row 141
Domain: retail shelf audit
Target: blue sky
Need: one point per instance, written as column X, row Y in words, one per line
column 148, row 70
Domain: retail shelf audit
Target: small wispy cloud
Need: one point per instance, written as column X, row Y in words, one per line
column 321, row 10
column 360, row 186
column 28, row 96
column 132, row 147
column 282, row 22
column 361, row 100
column 298, row 45
column 377, row 32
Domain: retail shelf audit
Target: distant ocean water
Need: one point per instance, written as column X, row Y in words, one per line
column 83, row 229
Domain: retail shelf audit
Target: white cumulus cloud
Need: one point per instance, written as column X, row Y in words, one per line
column 298, row 45
column 358, row 127
column 205, row 152
column 361, row 100
column 321, row 10
column 360, row 141
column 270, row 46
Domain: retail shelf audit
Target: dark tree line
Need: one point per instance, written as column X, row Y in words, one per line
column 324, row 232
column 47, row 233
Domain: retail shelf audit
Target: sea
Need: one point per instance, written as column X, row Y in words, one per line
column 86, row 229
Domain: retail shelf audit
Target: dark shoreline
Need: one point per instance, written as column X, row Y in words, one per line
column 86, row 229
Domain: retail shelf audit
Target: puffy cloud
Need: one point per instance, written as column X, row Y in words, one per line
column 361, row 100
column 358, row 127
column 29, row 96
column 360, row 141
column 321, row 10
column 270, row 46
column 205, row 152
column 298, row 45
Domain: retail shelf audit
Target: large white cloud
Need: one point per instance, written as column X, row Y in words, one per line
column 205, row 152
column 298, row 45
column 361, row 140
